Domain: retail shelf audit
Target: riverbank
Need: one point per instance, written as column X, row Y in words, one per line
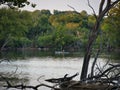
column 37, row 52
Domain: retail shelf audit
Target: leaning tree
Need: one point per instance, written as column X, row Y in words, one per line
column 104, row 7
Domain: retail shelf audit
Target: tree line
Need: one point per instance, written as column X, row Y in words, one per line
column 62, row 30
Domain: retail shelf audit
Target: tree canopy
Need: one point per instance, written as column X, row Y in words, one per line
column 60, row 30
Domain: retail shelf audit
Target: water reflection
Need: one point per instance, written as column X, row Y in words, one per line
column 23, row 54
column 34, row 67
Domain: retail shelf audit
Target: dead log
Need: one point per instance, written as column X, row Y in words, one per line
column 60, row 80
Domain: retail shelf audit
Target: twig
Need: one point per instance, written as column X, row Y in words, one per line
column 94, row 62
column 5, row 59
column 92, row 9
column 104, row 72
column 73, row 9
column 21, row 86
column 40, row 78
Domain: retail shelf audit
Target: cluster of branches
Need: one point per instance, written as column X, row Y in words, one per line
column 22, row 86
column 16, row 3
column 104, row 7
column 8, row 84
column 58, row 81
column 109, row 74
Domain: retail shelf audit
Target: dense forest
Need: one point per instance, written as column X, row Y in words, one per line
column 60, row 30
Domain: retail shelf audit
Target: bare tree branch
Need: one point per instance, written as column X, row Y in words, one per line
column 21, row 86
column 73, row 8
column 4, row 60
column 101, row 6
column 94, row 34
column 92, row 9
column 108, row 6
column 94, row 62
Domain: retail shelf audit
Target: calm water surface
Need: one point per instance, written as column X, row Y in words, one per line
column 37, row 69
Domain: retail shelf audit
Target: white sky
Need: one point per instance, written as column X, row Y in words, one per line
column 62, row 5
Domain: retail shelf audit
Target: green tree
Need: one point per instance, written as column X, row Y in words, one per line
column 63, row 37
column 75, row 24
column 13, row 24
column 111, row 27
column 41, row 26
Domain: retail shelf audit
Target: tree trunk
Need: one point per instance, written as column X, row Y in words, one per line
column 103, row 9
column 87, row 56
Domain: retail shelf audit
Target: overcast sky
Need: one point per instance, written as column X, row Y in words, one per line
column 62, row 5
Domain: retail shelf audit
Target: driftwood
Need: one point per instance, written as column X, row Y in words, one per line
column 107, row 79
column 60, row 80
column 57, row 80
column 22, row 86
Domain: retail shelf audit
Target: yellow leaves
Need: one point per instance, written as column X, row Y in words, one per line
column 72, row 25
column 55, row 24
column 115, row 10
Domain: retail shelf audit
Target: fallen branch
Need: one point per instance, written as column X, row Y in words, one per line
column 30, row 87
column 22, row 86
column 61, row 80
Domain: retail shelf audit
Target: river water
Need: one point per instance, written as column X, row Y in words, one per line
column 34, row 70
